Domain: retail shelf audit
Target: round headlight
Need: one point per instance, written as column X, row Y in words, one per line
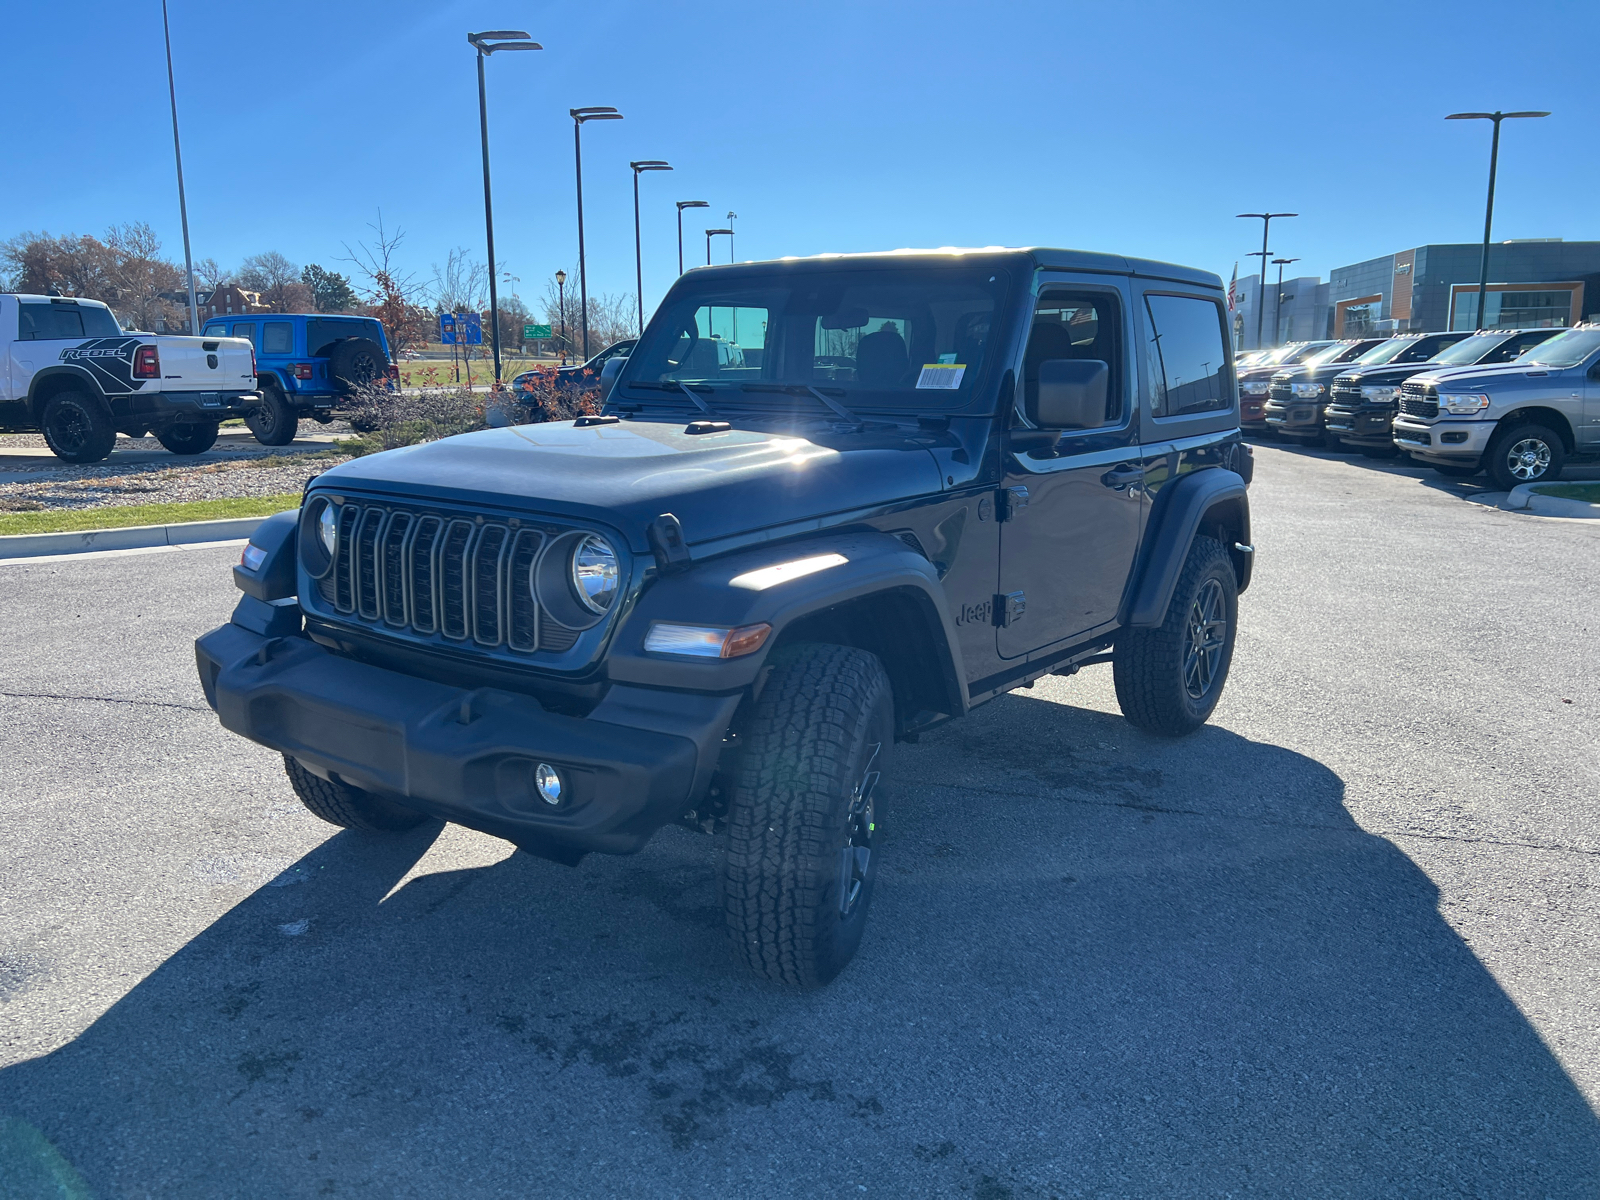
column 328, row 528
column 595, row 573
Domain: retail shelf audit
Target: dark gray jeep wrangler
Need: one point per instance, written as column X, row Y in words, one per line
column 830, row 504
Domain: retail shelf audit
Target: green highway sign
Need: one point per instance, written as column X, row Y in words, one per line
column 534, row 332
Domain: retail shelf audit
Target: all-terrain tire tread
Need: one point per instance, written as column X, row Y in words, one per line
column 345, row 806
column 1147, row 667
column 798, row 744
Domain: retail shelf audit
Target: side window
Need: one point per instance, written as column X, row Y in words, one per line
column 48, row 322
column 1083, row 325
column 277, row 337
column 246, row 329
column 1512, row 347
column 1188, row 361
column 216, row 329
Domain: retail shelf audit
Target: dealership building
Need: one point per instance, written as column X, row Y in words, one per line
column 1533, row 283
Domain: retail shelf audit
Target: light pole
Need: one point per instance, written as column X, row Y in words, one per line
column 683, row 204
column 648, row 164
column 579, row 116
column 732, row 217
column 711, row 233
column 485, row 44
column 561, row 303
column 177, row 153
column 1261, row 291
column 1277, row 307
column 1488, row 214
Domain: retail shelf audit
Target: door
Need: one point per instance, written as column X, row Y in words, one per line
column 1072, row 513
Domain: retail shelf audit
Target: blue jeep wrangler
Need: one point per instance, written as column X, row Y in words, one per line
column 305, row 363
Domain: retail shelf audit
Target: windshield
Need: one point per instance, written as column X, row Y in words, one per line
column 51, row 320
column 1468, row 350
column 1565, row 349
column 1386, row 351
column 866, row 336
column 1338, row 352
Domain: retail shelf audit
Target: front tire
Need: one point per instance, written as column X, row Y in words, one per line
column 188, row 437
column 338, row 803
column 274, row 421
column 1525, row 454
column 806, row 812
column 77, row 427
column 1169, row 679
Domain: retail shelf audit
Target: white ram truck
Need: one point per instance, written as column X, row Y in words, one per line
column 68, row 370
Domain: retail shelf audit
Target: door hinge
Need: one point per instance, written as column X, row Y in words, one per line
column 1008, row 500
column 1009, row 607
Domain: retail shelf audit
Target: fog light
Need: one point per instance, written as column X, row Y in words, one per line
column 1456, row 435
column 549, row 782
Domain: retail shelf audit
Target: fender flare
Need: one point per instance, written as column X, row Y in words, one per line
column 79, row 377
column 1181, row 508
column 276, row 577
column 872, row 565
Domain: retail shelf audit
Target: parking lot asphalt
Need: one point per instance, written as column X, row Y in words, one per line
column 1345, row 941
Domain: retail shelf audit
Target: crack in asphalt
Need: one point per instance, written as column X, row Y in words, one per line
column 200, row 708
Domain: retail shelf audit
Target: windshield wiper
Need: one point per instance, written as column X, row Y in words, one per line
column 675, row 385
column 832, row 405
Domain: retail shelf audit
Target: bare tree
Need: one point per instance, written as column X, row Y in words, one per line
column 278, row 281
column 395, row 295
column 462, row 285
column 209, row 274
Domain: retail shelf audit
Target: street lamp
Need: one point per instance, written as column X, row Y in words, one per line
column 579, row 116
column 177, row 153
column 487, row 43
column 732, row 217
column 1488, row 215
column 1261, row 292
column 1277, row 308
column 683, row 204
column 711, row 233
column 561, row 303
column 648, row 164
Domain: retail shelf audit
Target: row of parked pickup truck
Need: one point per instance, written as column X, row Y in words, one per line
column 1518, row 404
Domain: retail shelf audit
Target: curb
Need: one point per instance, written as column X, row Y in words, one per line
column 132, row 537
column 1523, row 498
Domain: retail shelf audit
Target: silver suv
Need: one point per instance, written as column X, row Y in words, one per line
column 1520, row 422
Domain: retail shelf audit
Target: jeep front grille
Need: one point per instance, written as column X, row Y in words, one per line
column 448, row 576
column 1418, row 401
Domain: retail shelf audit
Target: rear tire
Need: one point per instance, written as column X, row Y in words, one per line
column 78, row 427
column 338, row 803
column 1525, row 454
column 188, row 437
column 805, row 814
column 357, row 361
column 273, row 421
column 1169, row 679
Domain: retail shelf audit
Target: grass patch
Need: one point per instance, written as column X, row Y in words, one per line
column 1571, row 491
column 63, row 520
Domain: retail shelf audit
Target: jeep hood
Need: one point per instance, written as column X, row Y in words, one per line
column 625, row 475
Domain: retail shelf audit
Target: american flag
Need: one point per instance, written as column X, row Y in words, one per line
column 1233, row 289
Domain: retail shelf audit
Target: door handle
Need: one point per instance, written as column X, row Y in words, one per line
column 1120, row 477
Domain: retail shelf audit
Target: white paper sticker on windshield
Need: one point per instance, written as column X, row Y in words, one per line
column 945, row 376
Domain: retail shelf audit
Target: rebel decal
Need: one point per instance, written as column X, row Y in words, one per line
column 110, row 361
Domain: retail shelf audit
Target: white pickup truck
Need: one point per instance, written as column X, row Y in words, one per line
column 68, row 370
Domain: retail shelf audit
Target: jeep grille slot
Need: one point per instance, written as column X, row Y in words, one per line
column 468, row 579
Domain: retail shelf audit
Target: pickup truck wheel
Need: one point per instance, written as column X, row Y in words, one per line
column 1169, row 679
column 188, row 437
column 346, row 806
column 803, row 823
column 273, row 421
column 1525, row 454
column 77, row 427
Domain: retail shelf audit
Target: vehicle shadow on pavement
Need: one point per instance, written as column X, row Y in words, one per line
column 1099, row 963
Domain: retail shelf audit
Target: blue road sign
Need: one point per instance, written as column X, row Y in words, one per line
column 460, row 329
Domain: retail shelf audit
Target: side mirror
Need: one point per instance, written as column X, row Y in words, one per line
column 609, row 373
column 1071, row 394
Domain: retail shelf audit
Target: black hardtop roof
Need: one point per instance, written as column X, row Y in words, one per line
column 1024, row 257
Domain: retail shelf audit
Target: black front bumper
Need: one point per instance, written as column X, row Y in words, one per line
column 1294, row 418
column 1366, row 425
column 468, row 755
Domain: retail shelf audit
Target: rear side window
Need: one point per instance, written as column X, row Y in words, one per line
column 38, row 322
column 246, row 330
column 321, row 332
column 277, row 337
column 1188, row 361
column 217, row 330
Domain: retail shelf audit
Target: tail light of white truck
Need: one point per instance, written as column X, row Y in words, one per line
column 147, row 363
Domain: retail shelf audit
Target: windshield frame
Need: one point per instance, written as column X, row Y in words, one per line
column 1529, row 355
column 723, row 287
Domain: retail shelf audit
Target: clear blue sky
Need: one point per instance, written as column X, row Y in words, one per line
column 1134, row 128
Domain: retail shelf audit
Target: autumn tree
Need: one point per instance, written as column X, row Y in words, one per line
column 393, row 294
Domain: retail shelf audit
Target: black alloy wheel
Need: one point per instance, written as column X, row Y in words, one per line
column 77, row 427
column 274, row 421
column 188, row 437
column 1208, row 639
